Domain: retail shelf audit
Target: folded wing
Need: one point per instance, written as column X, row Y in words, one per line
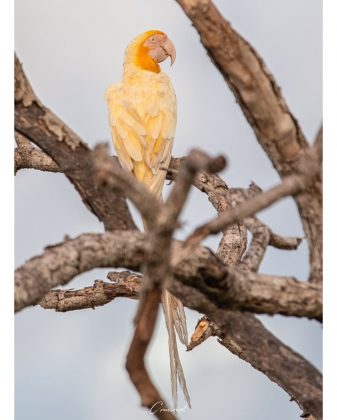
column 143, row 125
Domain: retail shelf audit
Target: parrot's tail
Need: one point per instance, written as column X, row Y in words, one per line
column 174, row 315
column 175, row 323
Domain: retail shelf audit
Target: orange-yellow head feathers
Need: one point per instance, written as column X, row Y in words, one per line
column 148, row 50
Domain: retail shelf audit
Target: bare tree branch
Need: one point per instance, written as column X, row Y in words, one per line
column 253, row 85
column 261, row 100
column 126, row 284
column 258, row 246
column 263, row 349
column 42, row 127
column 245, row 336
column 26, row 156
column 267, row 354
column 291, row 185
column 203, row 271
column 223, row 198
column 62, row 262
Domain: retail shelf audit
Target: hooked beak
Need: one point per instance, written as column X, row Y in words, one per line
column 169, row 49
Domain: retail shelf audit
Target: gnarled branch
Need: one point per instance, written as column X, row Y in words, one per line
column 261, row 101
column 38, row 124
column 26, row 156
column 224, row 286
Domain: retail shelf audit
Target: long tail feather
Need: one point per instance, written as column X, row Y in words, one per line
column 179, row 319
column 174, row 324
column 173, row 309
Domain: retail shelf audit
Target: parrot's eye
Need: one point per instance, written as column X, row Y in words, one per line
column 153, row 40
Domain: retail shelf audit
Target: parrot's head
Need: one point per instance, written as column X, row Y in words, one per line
column 148, row 50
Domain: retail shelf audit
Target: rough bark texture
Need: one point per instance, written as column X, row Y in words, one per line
column 266, row 353
column 42, row 127
column 26, row 156
column 261, row 349
column 225, row 287
column 261, row 101
column 295, row 185
column 126, row 284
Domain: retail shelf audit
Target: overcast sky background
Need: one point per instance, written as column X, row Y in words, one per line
column 71, row 366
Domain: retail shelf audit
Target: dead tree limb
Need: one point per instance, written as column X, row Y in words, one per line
column 238, row 338
column 203, row 271
column 235, row 328
column 261, row 101
column 26, row 156
column 281, row 364
column 38, row 124
column 223, row 198
column 125, row 284
column 291, row 185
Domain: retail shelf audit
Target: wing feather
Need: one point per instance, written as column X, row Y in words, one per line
column 143, row 120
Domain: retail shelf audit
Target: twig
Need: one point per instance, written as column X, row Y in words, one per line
column 203, row 330
column 99, row 294
column 258, row 246
column 291, row 185
column 26, row 156
column 223, row 198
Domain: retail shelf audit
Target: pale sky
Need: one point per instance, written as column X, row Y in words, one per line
column 71, row 365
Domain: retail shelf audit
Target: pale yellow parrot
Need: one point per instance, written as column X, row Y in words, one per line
column 142, row 112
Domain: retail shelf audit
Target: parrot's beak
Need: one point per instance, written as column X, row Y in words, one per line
column 160, row 47
column 169, row 49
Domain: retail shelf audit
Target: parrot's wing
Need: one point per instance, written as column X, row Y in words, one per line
column 143, row 126
column 128, row 131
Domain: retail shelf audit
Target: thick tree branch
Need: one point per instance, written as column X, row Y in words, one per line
column 261, row 349
column 261, row 101
column 253, row 85
column 243, row 291
column 71, row 154
column 224, row 286
column 304, row 383
column 62, row 262
column 59, row 264
column 278, row 362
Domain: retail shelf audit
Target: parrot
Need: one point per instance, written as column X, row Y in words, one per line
column 143, row 115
